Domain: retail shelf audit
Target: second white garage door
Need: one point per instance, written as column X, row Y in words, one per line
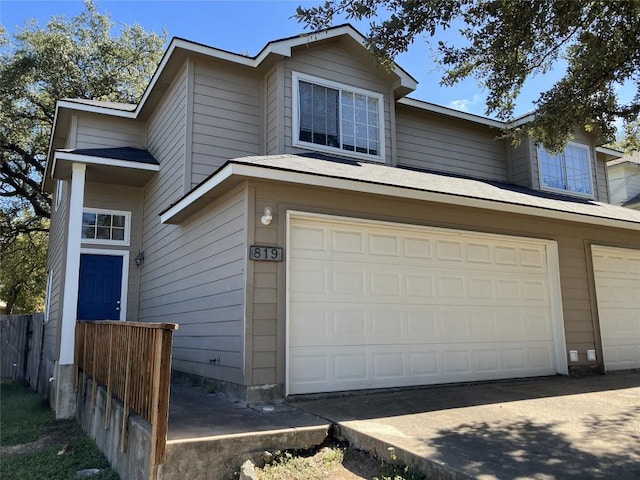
column 617, row 277
column 374, row 305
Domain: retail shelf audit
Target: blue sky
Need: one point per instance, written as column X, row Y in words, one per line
column 245, row 26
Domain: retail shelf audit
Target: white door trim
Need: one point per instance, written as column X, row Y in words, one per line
column 124, row 289
column 553, row 268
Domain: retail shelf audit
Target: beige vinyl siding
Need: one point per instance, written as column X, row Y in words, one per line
column 331, row 61
column 56, row 263
column 129, row 199
column 227, row 116
column 193, row 275
column 521, row 163
column 166, row 132
column 264, row 278
column 602, row 186
column 101, row 131
column 273, row 120
column 435, row 142
column 578, row 311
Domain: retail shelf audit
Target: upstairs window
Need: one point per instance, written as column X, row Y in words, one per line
column 568, row 172
column 106, row 226
column 336, row 118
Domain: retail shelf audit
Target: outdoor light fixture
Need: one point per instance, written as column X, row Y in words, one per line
column 267, row 216
column 139, row 259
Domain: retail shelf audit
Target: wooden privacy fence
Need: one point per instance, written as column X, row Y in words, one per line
column 133, row 362
column 21, row 348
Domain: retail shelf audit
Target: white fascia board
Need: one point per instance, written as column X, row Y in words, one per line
column 197, row 193
column 49, row 157
column 284, row 47
column 432, row 107
column 83, row 107
column 111, row 162
column 263, row 173
column 450, row 112
column 516, row 122
column 610, row 152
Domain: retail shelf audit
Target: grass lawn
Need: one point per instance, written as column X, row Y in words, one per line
column 35, row 446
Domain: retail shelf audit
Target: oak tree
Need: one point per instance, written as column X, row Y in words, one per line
column 505, row 42
column 80, row 57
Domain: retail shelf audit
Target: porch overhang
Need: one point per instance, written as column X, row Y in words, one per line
column 115, row 167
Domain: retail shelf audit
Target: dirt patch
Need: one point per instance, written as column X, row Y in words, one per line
column 31, row 447
column 334, row 461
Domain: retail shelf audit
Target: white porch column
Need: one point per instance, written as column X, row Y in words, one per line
column 70, row 298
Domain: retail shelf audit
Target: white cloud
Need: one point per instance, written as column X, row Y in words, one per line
column 466, row 104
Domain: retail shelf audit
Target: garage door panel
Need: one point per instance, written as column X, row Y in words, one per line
column 353, row 324
column 417, row 284
column 397, row 306
column 617, row 279
column 331, row 369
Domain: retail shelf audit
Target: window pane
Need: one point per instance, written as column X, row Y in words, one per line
column 88, row 231
column 552, row 175
column 569, row 170
column 305, row 107
column 338, row 118
column 577, row 169
column 104, row 233
column 118, row 221
column 117, row 234
column 104, row 220
column 88, row 219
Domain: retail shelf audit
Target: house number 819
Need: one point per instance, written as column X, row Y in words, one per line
column 270, row 254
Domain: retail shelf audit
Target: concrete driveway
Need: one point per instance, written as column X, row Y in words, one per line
column 549, row 428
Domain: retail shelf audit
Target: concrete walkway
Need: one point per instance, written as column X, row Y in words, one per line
column 549, row 428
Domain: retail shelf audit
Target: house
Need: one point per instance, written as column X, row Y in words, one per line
column 314, row 229
column 624, row 181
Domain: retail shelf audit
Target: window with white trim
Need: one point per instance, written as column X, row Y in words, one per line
column 60, row 188
column 568, row 171
column 106, row 226
column 337, row 118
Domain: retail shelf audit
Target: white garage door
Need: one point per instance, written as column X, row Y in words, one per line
column 617, row 276
column 374, row 305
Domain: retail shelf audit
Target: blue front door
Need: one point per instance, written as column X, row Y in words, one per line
column 99, row 287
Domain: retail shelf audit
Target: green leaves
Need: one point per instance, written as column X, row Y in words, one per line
column 66, row 58
column 507, row 42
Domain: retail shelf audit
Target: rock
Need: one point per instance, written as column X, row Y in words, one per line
column 66, row 449
column 267, row 457
column 248, row 471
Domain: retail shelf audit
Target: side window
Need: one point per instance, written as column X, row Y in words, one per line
column 106, row 226
column 47, row 298
column 337, row 118
column 60, row 189
column 568, row 171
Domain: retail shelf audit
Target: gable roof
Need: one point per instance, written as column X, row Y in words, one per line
column 325, row 171
column 180, row 49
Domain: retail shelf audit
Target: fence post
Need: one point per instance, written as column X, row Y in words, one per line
column 107, row 413
column 125, row 412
